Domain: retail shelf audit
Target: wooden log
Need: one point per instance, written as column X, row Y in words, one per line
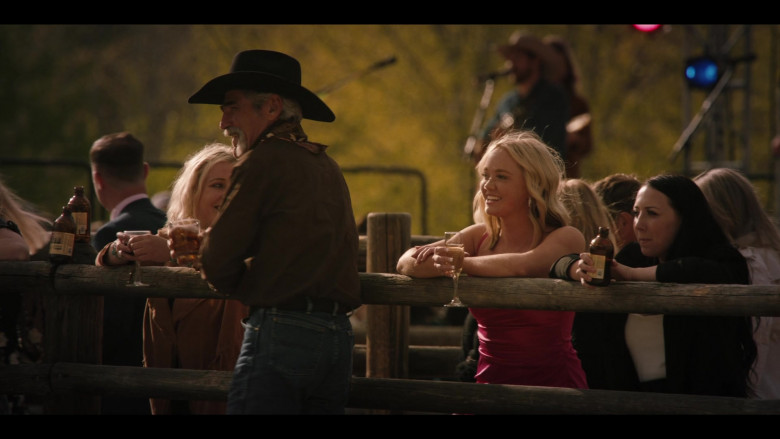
column 172, row 282
column 561, row 295
column 501, row 399
column 131, row 381
column 387, row 332
column 425, row 362
column 423, row 335
column 416, row 240
column 78, row 323
column 26, row 379
column 396, row 289
column 382, row 393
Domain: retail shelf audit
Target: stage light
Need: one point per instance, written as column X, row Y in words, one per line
column 702, row 72
column 647, row 27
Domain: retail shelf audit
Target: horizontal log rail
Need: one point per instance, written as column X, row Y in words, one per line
column 428, row 396
column 395, row 289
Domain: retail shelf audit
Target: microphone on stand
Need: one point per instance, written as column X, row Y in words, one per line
column 493, row 75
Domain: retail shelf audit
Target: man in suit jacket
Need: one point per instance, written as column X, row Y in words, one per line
column 119, row 176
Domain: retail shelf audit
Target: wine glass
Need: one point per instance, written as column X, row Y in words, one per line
column 453, row 247
column 137, row 274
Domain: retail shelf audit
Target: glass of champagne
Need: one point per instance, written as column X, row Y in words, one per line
column 453, row 248
column 137, row 274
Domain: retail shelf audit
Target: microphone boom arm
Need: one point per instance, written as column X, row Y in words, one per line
column 479, row 116
column 693, row 125
column 375, row 66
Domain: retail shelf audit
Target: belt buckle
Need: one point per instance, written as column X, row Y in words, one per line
column 310, row 306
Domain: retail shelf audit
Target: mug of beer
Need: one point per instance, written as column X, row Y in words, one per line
column 185, row 240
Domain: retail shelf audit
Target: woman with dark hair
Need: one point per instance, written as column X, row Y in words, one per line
column 678, row 241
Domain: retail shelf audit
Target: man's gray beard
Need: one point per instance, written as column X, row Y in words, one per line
column 241, row 145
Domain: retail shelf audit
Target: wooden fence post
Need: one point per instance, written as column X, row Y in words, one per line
column 73, row 332
column 387, row 330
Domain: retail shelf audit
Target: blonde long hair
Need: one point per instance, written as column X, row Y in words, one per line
column 18, row 210
column 543, row 170
column 587, row 210
column 188, row 185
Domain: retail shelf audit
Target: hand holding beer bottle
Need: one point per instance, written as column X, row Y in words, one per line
column 601, row 251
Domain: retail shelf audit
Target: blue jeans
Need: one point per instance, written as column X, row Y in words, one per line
column 293, row 363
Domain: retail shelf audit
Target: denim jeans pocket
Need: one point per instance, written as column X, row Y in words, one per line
column 298, row 343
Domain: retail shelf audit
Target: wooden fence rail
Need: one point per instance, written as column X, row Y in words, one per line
column 74, row 329
column 395, row 289
column 375, row 393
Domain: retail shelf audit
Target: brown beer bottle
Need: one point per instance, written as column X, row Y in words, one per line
column 82, row 214
column 63, row 238
column 602, row 251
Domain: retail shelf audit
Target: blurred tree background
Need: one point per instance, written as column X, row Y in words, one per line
column 63, row 86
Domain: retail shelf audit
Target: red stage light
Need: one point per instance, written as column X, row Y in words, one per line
column 647, row 27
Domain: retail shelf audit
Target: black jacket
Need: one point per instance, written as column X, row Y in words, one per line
column 705, row 355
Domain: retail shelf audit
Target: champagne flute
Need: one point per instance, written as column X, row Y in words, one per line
column 137, row 274
column 453, row 247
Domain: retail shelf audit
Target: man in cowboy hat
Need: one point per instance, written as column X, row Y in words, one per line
column 536, row 103
column 285, row 242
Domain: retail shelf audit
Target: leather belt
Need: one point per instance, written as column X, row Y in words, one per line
column 317, row 304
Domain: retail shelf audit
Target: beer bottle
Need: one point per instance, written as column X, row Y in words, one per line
column 63, row 237
column 82, row 214
column 602, row 251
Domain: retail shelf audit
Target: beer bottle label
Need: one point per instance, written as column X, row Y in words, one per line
column 599, row 261
column 81, row 222
column 61, row 243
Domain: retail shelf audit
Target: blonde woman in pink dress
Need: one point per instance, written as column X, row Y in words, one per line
column 521, row 228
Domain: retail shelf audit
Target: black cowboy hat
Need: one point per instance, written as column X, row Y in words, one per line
column 265, row 71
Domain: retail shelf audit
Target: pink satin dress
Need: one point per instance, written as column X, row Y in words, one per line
column 527, row 347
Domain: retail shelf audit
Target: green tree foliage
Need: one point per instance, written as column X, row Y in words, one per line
column 64, row 86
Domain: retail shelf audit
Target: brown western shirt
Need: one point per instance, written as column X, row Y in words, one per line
column 286, row 228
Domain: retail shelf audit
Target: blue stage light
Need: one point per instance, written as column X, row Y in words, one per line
column 702, row 72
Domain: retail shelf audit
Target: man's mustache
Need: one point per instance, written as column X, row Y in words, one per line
column 232, row 131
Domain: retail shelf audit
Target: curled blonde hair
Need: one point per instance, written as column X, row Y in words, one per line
column 188, row 185
column 587, row 210
column 543, row 170
column 22, row 213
